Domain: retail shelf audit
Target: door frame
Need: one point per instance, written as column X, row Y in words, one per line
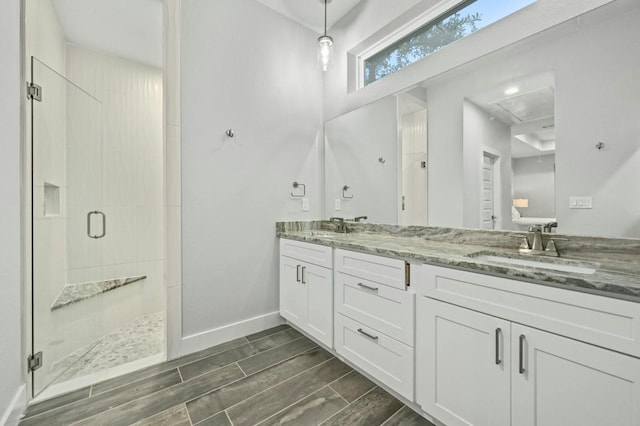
column 497, row 183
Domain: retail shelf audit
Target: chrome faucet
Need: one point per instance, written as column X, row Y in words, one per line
column 534, row 243
column 342, row 227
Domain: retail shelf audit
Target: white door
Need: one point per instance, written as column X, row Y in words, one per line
column 318, row 282
column 487, row 203
column 564, row 382
column 414, row 169
column 293, row 293
column 462, row 365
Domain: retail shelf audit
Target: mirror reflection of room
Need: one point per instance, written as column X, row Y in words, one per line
column 512, row 126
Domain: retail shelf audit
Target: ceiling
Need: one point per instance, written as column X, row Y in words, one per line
column 530, row 113
column 310, row 13
column 131, row 29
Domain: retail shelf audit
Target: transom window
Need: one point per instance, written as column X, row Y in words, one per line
column 459, row 22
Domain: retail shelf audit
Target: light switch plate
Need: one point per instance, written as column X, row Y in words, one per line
column 305, row 204
column 581, row 202
column 338, row 204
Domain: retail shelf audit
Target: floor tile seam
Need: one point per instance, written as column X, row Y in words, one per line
column 280, row 331
column 291, row 405
column 293, row 355
column 128, row 383
column 269, row 336
column 271, row 387
column 243, row 372
column 238, row 360
column 391, row 416
column 349, row 405
column 273, row 348
column 180, row 374
column 148, row 395
column 188, row 415
column 57, row 407
column 338, row 393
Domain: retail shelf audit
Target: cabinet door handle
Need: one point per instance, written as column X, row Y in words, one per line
column 521, row 368
column 370, row 336
column 367, row 287
column 498, row 334
column 298, row 273
column 303, row 281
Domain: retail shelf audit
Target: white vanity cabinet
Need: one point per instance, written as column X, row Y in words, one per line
column 374, row 317
column 478, row 364
column 306, row 288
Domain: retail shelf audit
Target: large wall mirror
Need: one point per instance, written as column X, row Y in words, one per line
column 541, row 132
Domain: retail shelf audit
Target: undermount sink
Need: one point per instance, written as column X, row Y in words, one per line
column 550, row 264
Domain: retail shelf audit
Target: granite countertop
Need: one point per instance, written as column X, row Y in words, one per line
column 616, row 260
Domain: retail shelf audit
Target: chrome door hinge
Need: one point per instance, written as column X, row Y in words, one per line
column 34, row 92
column 34, row 361
column 407, row 274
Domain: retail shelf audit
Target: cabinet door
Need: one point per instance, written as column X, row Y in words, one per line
column 565, row 382
column 462, row 365
column 319, row 285
column 293, row 294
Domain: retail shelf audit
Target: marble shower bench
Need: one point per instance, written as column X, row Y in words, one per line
column 74, row 293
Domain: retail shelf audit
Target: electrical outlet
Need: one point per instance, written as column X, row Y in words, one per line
column 338, row 204
column 305, row 204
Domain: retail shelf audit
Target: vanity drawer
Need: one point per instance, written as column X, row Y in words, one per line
column 383, row 308
column 384, row 358
column 378, row 269
column 600, row 320
column 307, row 252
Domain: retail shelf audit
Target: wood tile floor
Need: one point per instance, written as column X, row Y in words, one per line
column 275, row 377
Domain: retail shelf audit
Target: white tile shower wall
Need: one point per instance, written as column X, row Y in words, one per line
column 268, row 89
column 11, row 365
column 131, row 173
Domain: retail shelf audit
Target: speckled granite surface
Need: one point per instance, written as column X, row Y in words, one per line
column 73, row 293
column 139, row 339
column 617, row 260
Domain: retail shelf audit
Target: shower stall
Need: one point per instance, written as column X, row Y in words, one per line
column 97, row 219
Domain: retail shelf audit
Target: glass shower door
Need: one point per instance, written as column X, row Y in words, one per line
column 69, row 226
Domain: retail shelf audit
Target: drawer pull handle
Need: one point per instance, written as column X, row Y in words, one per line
column 364, row 333
column 298, row 273
column 521, row 368
column 367, row 287
column 303, row 281
column 498, row 333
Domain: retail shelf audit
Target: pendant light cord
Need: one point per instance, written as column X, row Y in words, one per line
column 325, row 17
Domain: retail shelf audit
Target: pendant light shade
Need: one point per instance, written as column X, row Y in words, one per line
column 325, row 52
column 325, row 44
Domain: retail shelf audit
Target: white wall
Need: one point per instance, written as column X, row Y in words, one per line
column 11, row 359
column 480, row 135
column 248, row 68
column 534, row 179
column 354, row 143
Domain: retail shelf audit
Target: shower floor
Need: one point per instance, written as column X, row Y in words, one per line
column 140, row 339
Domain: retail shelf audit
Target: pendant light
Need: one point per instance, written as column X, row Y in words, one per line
column 325, row 43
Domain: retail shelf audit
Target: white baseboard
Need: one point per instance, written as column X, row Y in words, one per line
column 14, row 411
column 216, row 336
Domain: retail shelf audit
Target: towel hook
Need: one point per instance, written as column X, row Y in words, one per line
column 304, row 189
column 230, row 133
column 344, row 190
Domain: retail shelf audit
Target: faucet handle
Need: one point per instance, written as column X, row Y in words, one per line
column 551, row 247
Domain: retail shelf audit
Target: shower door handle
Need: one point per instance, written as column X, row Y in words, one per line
column 104, row 224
